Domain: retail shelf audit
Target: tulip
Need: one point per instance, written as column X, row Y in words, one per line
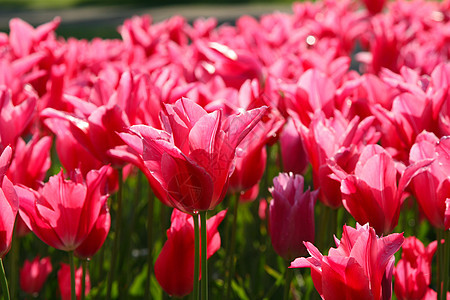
column 174, row 267
column 431, row 188
column 64, row 212
column 371, row 194
column 374, row 6
column 293, row 154
column 9, row 203
column 34, row 274
column 361, row 266
column 31, row 161
column 413, row 272
column 338, row 139
column 14, row 118
column 192, row 159
column 291, row 215
column 64, row 282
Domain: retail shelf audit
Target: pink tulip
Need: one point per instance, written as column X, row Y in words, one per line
column 9, row 203
column 14, row 118
column 291, row 215
column 192, row 158
column 64, row 212
column 432, row 187
column 371, row 194
column 338, row 139
column 174, row 267
column 360, row 267
column 64, row 282
column 31, row 161
column 413, row 272
column 34, row 274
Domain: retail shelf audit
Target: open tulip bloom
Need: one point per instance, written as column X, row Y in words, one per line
column 360, row 267
column 192, row 158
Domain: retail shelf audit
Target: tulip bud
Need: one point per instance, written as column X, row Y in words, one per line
column 291, row 216
column 34, row 274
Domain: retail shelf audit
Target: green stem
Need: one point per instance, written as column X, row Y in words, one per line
column 14, row 263
column 4, row 280
column 439, row 264
column 288, row 274
column 83, row 279
column 230, row 254
column 72, row 276
column 196, row 256
column 151, row 200
column 446, row 266
column 116, row 237
column 204, row 256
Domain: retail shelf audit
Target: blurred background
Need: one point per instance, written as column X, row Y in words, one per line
column 100, row 18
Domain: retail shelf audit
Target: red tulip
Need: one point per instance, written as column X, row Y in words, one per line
column 447, row 214
column 64, row 212
column 192, row 158
column 174, row 267
column 371, row 194
column 413, row 272
column 374, row 6
column 359, row 268
column 34, row 274
column 432, row 187
column 9, row 203
column 64, row 282
column 291, row 215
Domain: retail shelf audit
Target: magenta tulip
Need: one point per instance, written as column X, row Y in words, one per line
column 192, row 159
column 413, row 272
column 34, row 274
column 432, row 187
column 360, row 267
column 64, row 282
column 291, row 216
column 372, row 195
column 64, row 212
column 9, row 203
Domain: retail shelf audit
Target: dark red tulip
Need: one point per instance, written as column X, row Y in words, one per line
column 34, row 274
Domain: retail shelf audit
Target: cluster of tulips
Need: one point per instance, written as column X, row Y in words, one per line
column 346, row 102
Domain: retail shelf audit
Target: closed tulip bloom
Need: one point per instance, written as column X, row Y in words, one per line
column 34, row 273
column 64, row 282
column 64, row 212
column 192, row 159
column 174, row 267
column 360, row 267
column 9, row 203
column 413, row 272
column 291, row 216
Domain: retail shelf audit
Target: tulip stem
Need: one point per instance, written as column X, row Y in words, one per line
column 446, row 265
column 151, row 200
column 4, row 280
column 72, row 276
column 232, row 243
column 204, row 255
column 287, row 281
column 196, row 256
column 14, row 262
column 116, row 236
column 83, row 280
column 439, row 264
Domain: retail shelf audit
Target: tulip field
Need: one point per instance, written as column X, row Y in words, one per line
column 299, row 155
